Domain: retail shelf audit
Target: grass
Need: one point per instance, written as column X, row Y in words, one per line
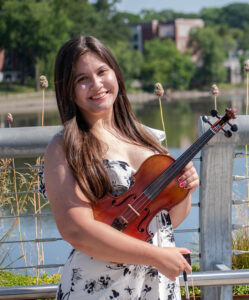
column 8, row 279
column 16, row 88
column 11, row 279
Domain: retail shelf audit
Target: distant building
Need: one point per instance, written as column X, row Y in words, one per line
column 1, row 64
column 178, row 30
column 9, row 70
column 233, row 66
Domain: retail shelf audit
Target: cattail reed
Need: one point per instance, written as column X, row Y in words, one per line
column 10, row 121
column 43, row 86
column 159, row 91
column 215, row 92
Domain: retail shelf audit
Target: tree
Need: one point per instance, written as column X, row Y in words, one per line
column 32, row 30
column 164, row 15
column 208, row 45
column 110, row 25
column 164, row 63
column 130, row 61
column 234, row 15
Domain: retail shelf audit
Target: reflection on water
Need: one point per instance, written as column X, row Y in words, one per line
column 181, row 119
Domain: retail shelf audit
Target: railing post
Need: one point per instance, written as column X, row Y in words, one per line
column 215, row 213
column 216, row 202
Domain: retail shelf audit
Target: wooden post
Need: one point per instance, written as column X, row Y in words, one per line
column 216, row 202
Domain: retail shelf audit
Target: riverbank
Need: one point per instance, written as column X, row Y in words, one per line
column 32, row 102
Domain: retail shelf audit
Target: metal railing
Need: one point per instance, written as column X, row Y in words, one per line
column 215, row 278
column 216, row 181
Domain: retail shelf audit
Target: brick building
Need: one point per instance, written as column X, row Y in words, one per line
column 178, row 30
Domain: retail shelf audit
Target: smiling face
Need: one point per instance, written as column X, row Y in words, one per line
column 96, row 87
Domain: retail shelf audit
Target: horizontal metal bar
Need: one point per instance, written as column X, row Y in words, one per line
column 238, row 178
column 222, row 267
column 186, row 230
column 219, row 278
column 29, row 292
column 212, row 278
column 239, row 252
column 50, row 266
column 33, row 241
column 27, row 215
column 237, row 226
column 237, row 202
column 240, row 155
column 19, row 193
column 21, row 168
column 196, row 159
column 26, row 141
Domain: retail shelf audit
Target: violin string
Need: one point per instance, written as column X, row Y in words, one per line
column 176, row 166
column 142, row 200
column 164, row 177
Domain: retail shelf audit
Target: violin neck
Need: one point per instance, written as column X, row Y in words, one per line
column 164, row 179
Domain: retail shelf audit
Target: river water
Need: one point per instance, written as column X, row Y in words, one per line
column 181, row 121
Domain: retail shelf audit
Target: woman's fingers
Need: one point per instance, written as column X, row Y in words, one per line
column 187, row 266
column 189, row 178
column 172, row 263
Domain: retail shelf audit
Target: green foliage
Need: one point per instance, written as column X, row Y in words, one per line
column 164, row 63
column 209, row 47
column 11, row 279
column 240, row 241
column 32, row 30
column 148, row 15
column 130, row 61
column 234, row 15
column 16, row 88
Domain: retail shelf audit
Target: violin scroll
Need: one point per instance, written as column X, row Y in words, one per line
column 222, row 121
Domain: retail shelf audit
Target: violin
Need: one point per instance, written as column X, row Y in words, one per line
column 155, row 186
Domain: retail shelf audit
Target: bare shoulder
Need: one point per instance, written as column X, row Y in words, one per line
column 59, row 180
column 54, row 148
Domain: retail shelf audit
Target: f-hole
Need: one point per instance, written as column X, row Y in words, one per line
column 141, row 222
column 114, row 202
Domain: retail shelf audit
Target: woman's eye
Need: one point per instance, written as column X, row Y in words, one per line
column 102, row 71
column 84, row 78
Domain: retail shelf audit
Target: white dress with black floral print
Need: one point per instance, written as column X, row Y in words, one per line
column 87, row 278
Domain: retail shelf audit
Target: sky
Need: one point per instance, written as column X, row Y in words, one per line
column 187, row 6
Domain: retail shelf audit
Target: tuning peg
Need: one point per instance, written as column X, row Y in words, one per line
column 228, row 133
column 234, row 127
column 214, row 113
column 205, row 119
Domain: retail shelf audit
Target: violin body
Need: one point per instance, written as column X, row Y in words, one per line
column 133, row 210
column 156, row 186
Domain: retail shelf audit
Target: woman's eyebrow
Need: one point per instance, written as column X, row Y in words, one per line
column 82, row 73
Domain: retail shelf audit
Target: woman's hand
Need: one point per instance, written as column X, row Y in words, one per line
column 189, row 178
column 171, row 262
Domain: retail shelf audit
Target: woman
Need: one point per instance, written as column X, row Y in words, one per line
column 101, row 146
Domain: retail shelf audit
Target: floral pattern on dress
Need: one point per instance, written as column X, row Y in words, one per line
column 87, row 278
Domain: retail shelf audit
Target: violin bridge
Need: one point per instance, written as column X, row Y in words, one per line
column 133, row 209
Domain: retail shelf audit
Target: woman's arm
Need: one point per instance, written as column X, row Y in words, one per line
column 189, row 180
column 74, row 218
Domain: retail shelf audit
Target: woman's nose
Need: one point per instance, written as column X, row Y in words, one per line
column 96, row 82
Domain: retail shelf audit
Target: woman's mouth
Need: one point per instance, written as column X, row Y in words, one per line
column 98, row 96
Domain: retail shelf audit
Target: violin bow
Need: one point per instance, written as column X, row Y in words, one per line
column 185, row 278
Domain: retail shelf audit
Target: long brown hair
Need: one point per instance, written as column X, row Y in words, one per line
column 82, row 149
